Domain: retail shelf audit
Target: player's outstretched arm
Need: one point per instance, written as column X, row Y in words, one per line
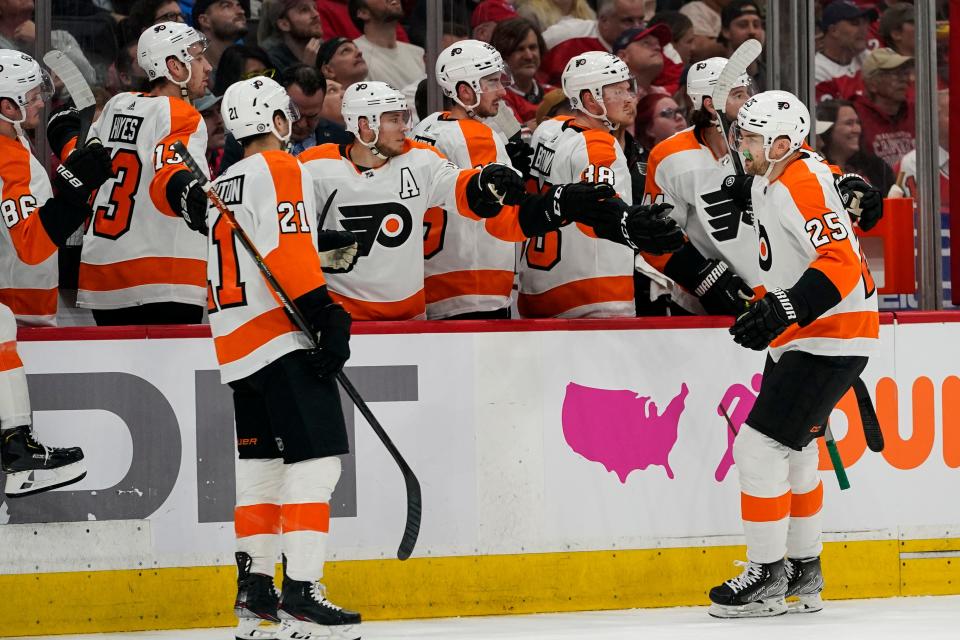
column 720, row 290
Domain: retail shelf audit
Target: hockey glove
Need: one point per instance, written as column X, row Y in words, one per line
column 338, row 250
column 721, row 291
column 650, row 229
column 193, row 206
column 581, row 202
column 520, row 154
column 83, row 171
column 501, row 184
column 737, row 187
column 765, row 320
column 62, row 125
column 863, row 202
column 333, row 341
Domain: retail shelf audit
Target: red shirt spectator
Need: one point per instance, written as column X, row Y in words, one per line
column 837, row 67
column 887, row 117
column 336, row 21
column 486, row 16
column 521, row 46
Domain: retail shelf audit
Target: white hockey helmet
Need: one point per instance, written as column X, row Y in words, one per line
column 592, row 71
column 20, row 74
column 702, row 80
column 370, row 100
column 773, row 114
column 467, row 61
column 248, row 107
column 164, row 40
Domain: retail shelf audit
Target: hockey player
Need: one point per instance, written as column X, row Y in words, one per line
column 36, row 222
column 819, row 320
column 289, row 421
column 140, row 263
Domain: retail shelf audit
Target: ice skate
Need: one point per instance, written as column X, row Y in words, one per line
column 256, row 603
column 757, row 592
column 32, row 467
column 805, row 582
column 306, row 614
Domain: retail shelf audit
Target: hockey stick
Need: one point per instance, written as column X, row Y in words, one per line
column 868, row 416
column 77, row 86
column 835, row 458
column 412, row 527
column 736, row 66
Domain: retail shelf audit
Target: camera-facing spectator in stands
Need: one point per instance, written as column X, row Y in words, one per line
column 642, row 49
column 146, row 13
column 290, row 32
column 223, row 22
column 742, row 20
column 18, row 31
column 340, row 60
column 209, row 108
column 546, row 13
column 487, row 15
column 840, row 134
column 658, row 118
column 843, row 49
column 241, row 62
column 898, row 28
column 388, row 60
column 887, row 116
column 521, row 46
column 705, row 16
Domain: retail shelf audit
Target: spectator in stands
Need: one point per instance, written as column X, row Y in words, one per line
column 572, row 36
column 885, row 113
column 843, row 49
column 453, row 32
column 340, row 60
column 554, row 104
column 209, row 108
column 290, row 32
column 840, row 144
column 18, row 31
column 146, row 13
column 388, row 60
column 223, row 22
column 641, row 48
column 705, row 16
column 546, row 13
column 126, row 74
column 333, row 104
column 335, row 18
column 486, row 16
column 898, row 29
column 742, row 20
column 521, row 46
column 307, row 88
column 908, row 166
column 240, row 62
column 676, row 53
column 658, row 118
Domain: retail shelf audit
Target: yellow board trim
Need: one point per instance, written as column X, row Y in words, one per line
column 191, row 597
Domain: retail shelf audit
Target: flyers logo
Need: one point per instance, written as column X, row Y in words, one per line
column 388, row 224
column 724, row 216
column 766, row 253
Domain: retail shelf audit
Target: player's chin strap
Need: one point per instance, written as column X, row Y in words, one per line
column 470, row 109
column 17, row 123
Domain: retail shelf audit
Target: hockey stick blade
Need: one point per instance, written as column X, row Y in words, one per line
column 76, row 86
column 736, row 66
column 414, row 506
column 868, row 416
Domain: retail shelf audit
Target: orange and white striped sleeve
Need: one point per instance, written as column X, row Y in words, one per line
column 186, row 126
column 18, row 206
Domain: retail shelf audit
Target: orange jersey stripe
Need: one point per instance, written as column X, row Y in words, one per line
column 9, row 358
column 30, row 302
column 142, row 271
column 480, row 143
column 553, row 302
column 256, row 519
column 406, row 309
column 252, row 335
column 481, row 282
column 506, row 225
column 601, row 150
column 683, row 141
column 29, row 238
column 328, row 151
column 754, row 509
column 856, row 324
column 310, row 516
column 462, row 204
column 68, row 148
column 184, row 121
column 804, row 505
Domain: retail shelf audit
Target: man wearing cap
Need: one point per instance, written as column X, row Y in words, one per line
column 388, row 60
column 705, row 16
column 339, row 59
column 886, row 115
column 837, row 66
column 486, row 16
column 223, row 22
column 741, row 20
column 898, row 28
column 642, row 50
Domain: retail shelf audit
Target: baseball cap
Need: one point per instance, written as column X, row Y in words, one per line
column 660, row 30
column 208, row 101
column 845, row 10
column 737, row 9
column 329, row 49
column 883, row 59
column 491, row 11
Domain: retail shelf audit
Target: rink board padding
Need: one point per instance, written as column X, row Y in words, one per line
column 565, row 465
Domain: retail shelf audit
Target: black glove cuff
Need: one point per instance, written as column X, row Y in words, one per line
column 814, row 294
column 479, row 202
column 177, row 188
column 312, row 305
column 61, row 216
column 61, row 127
column 686, row 266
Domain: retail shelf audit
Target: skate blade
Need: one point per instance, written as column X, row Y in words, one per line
column 300, row 630
column 806, row 604
column 21, row 484
column 763, row 609
column 256, row 629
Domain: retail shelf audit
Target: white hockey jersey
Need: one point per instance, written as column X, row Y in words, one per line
column 570, row 273
column 272, row 198
column 29, row 274
column 385, row 208
column 801, row 223
column 136, row 249
column 467, row 268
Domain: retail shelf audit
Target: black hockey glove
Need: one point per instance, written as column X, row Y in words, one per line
column 863, row 202
column 650, row 229
column 501, row 184
column 737, row 187
column 520, row 154
column 333, row 341
column 83, row 171
column 765, row 320
column 62, row 125
column 338, row 250
column 193, row 206
column 584, row 202
column 721, row 291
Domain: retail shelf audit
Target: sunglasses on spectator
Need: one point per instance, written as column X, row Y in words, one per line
column 170, row 16
column 266, row 73
column 670, row 114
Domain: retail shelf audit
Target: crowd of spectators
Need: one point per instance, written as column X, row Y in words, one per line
column 864, row 65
